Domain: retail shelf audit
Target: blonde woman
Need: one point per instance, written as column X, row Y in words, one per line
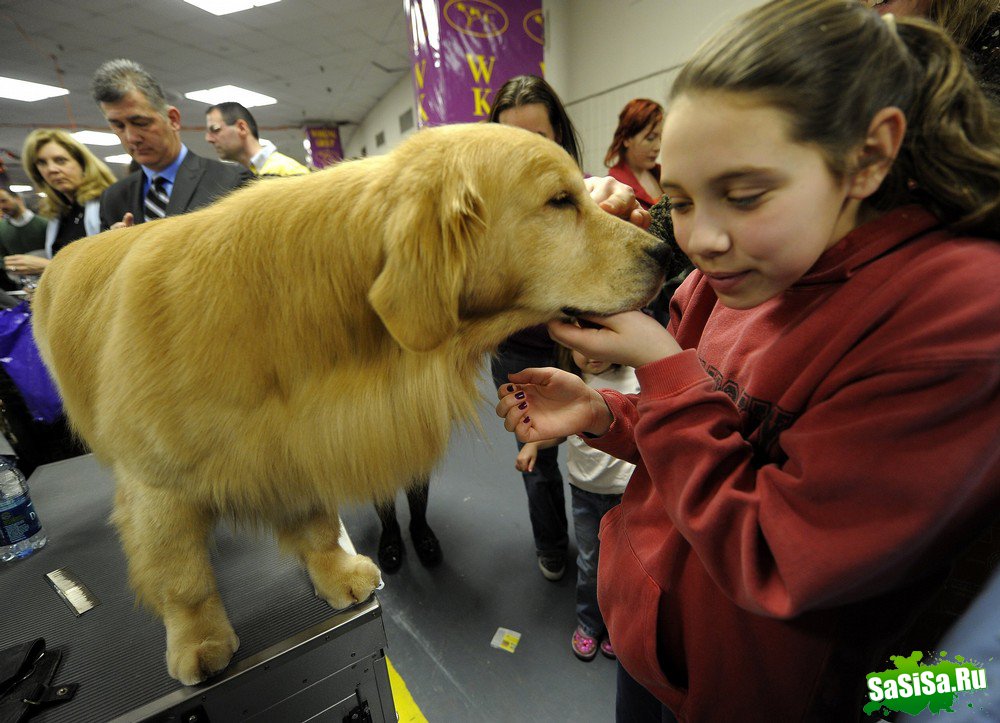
column 72, row 179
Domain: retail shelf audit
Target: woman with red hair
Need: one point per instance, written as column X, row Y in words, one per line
column 634, row 152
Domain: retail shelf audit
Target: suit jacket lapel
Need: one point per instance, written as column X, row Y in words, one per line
column 135, row 195
column 185, row 183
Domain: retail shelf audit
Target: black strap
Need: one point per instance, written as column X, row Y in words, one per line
column 16, row 662
column 28, row 689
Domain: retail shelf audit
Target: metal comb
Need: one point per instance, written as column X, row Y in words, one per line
column 72, row 591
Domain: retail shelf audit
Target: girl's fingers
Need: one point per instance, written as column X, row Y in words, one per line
column 512, row 411
column 532, row 375
column 517, row 399
column 504, row 390
column 512, row 421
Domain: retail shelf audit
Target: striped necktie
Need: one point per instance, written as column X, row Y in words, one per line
column 156, row 200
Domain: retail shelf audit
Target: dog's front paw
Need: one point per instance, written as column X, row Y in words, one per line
column 344, row 580
column 193, row 659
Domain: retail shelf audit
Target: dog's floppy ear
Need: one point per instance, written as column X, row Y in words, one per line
column 429, row 238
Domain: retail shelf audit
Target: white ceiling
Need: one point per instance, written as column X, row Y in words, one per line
column 319, row 58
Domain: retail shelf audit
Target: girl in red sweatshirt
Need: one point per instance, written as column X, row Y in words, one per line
column 817, row 432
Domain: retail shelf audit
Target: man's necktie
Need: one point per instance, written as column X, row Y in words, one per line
column 156, row 200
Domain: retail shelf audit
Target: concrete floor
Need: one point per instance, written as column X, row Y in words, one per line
column 440, row 622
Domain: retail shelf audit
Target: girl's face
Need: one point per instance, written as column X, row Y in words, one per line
column 59, row 169
column 642, row 150
column 591, row 366
column 752, row 209
column 532, row 117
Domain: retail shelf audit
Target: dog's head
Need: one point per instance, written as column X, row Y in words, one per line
column 490, row 230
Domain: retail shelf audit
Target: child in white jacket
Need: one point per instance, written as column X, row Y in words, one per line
column 597, row 481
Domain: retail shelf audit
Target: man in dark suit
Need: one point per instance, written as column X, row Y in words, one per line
column 171, row 179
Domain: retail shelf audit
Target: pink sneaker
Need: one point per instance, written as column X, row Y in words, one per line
column 584, row 646
column 606, row 650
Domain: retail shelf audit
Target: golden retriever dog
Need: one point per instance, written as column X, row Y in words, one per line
column 308, row 342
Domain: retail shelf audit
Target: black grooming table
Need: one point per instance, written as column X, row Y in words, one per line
column 298, row 658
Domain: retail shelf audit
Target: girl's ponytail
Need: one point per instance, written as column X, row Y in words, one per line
column 951, row 152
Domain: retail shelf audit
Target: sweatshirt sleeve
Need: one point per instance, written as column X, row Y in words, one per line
column 619, row 440
column 883, row 476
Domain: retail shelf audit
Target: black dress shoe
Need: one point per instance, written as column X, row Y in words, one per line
column 427, row 546
column 390, row 550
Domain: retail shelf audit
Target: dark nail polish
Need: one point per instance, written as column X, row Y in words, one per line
column 519, row 395
column 522, row 405
column 526, row 420
column 510, row 387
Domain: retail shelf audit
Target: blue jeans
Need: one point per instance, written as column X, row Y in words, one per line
column 544, row 485
column 588, row 509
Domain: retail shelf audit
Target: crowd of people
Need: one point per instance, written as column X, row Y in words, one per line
column 774, row 467
column 80, row 197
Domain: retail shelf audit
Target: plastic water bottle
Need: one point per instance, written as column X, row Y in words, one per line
column 20, row 531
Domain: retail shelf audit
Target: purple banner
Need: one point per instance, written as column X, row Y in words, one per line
column 323, row 146
column 464, row 50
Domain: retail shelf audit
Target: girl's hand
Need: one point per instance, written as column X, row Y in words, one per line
column 526, row 458
column 630, row 338
column 618, row 199
column 540, row 404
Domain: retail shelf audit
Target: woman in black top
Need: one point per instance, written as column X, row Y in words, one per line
column 72, row 179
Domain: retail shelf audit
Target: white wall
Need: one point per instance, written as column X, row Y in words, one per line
column 598, row 56
column 616, row 51
column 558, row 50
column 384, row 118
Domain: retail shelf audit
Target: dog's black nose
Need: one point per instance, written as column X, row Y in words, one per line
column 662, row 254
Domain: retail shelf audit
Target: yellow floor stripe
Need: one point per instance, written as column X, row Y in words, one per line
column 406, row 707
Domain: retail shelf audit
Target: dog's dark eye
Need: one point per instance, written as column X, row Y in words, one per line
column 562, row 200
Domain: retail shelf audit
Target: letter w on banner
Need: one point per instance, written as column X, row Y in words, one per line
column 462, row 51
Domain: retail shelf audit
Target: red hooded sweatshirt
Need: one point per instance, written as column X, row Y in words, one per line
column 804, row 470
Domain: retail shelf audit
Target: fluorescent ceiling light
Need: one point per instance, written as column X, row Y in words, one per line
column 224, row 7
column 25, row 90
column 123, row 158
column 96, row 138
column 246, row 98
column 21, row 189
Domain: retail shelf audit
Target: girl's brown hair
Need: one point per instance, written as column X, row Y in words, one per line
column 831, row 65
column 527, row 89
column 962, row 18
column 638, row 113
column 96, row 175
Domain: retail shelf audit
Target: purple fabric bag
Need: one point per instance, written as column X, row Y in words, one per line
column 20, row 359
